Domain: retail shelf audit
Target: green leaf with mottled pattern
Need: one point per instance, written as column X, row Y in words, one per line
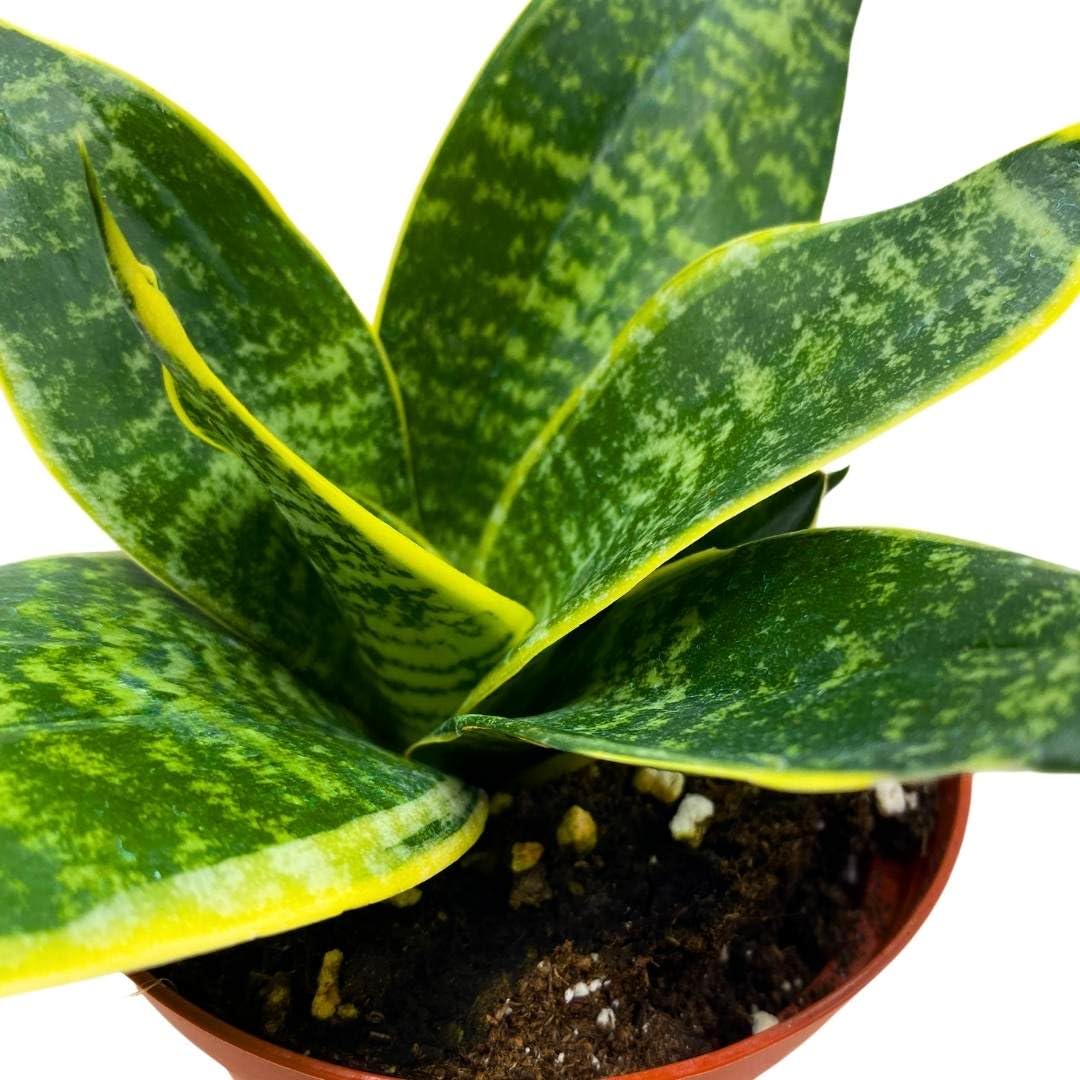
column 255, row 297
column 426, row 632
column 820, row 661
column 605, row 145
column 167, row 790
column 767, row 358
column 789, row 510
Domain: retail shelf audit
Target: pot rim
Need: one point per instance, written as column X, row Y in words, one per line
column 806, row 1019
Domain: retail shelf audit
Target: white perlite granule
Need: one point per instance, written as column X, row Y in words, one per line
column 892, row 800
column 605, row 1019
column 692, row 819
column 581, row 990
column 762, row 1021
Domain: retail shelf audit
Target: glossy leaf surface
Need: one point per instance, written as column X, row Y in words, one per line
column 426, row 633
column 818, row 661
column 768, row 358
column 254, row 296
column 166, row 790
column 604, row 146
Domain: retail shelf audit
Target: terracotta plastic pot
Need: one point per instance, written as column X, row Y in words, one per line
column 898, row 898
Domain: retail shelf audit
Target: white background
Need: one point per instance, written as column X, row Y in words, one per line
column 337, row 107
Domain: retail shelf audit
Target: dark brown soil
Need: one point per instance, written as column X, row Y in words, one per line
column 682, row 945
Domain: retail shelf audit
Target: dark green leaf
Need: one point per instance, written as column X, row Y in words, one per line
column 426, row 633
column 256, row 299
column 166, row 790
column 605, row 145
column 789, row 510
column 766, row 359
column 818, row 661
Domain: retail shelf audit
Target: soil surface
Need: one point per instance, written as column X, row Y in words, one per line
column 644, row 951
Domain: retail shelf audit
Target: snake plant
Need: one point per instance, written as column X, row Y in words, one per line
column 557, row 497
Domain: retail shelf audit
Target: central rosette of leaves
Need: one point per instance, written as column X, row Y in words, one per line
column 560, row 498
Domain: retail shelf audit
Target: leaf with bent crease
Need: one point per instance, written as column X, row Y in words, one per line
column 767, row 358
column 254, row 296
column 603, row 147
column 426, row 632
column 817, row 661
column 167, row 790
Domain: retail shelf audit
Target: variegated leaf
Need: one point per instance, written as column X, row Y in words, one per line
column 817, row 661
column 789, row 510
column 605, row 145
column 167, row 790
column 426, row 632
column 767, row 358
column 254, row 295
